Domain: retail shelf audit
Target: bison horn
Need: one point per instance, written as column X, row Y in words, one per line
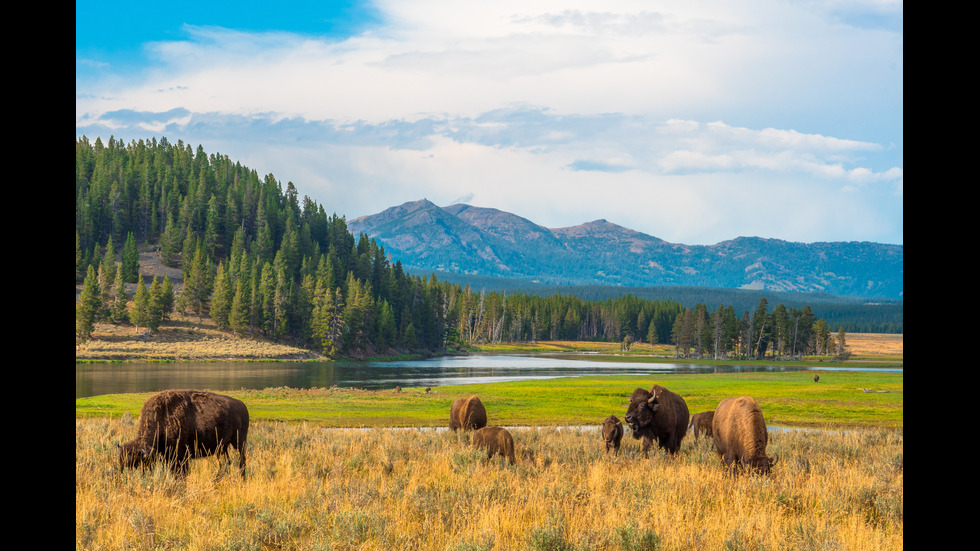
column 652, row 398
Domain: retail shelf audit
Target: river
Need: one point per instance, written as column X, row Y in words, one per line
column 93, row 379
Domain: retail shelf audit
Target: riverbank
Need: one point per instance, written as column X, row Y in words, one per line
column 187, row 338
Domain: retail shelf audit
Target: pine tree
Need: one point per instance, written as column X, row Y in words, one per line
column 118, row 312
column 87, row 306
column 221, row 297
column 167, row 297
column 240, row 314
column 198, row 284
column 139, row 311
column 130, row 259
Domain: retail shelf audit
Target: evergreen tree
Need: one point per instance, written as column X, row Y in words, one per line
column 386, row 327
column 120, row 300
column 322, row 321
column 87, row 306
column 221, row 297
column 167, row 297
column 198, row 285
column 170, row 243
column 240, row 314
column 130, row 259
column 842, row 352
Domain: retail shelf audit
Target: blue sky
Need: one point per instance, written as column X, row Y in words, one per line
column 695, row 122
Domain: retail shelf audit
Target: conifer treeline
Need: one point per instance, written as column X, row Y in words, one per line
column 259, row 261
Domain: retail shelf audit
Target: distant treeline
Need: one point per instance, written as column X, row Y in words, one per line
column 258, row 260
column 854, row 315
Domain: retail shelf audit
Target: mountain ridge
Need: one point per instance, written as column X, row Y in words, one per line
column 484, row 241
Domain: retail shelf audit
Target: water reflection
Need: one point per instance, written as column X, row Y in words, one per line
column 96, row 379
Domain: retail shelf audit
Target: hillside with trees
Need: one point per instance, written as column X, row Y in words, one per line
column 258, row 260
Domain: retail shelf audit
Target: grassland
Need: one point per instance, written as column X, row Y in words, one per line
column 312, row 488
column 326, row 470
column 787, row 399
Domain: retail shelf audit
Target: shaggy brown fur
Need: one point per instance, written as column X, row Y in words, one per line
column 612, row 433
column 701, row 423
column 740, row 435
column 657, row 415
column 467, row 414
column 496, row 440
column 178, row 425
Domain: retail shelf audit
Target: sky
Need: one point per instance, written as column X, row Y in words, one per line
column 691, row 121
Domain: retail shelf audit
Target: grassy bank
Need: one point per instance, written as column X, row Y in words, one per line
column 309, row 488
column 787, row 398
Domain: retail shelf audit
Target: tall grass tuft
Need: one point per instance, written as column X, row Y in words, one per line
column 312, row 488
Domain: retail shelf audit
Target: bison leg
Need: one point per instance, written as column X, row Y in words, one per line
column 647, row 444
column 241, row 459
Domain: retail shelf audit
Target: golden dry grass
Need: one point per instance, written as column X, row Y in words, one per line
column 315, row 488
column 876, row 344
column 183, row 338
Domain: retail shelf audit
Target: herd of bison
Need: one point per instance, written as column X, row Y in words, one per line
column 178, row 425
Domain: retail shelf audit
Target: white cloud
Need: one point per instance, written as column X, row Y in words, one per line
column 671, row 118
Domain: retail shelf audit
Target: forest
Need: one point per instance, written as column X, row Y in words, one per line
column 260, row 261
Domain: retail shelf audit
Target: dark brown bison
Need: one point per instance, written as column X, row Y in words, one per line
column 177, row 425
column 657, row 415
column 467, row 414
column 816, row 378
column 612, row 433
column 740, row 434
column 701, row 423
column 496, row 440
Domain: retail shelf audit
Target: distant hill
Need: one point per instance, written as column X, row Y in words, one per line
column 463, row 239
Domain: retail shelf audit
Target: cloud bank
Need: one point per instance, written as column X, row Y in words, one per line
column 691, row 123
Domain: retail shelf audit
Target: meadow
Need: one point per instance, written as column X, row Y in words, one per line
column 309, row 487
column 369, row 485
column 787, row 399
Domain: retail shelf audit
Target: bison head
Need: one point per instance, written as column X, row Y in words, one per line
column 760, row 464
column 132, row 455
column 641, row 409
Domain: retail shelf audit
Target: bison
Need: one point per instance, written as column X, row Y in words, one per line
column 496, row 440
column 816, row 378
column 612, row 433
column 740, row 434
column 178, row 425
column 467, row 414
column 701, row 423
column 657, row 415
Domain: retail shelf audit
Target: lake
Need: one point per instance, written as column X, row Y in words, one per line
column 93, row 379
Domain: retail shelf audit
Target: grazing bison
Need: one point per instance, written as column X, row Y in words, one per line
column 701, row 422
column 496, row 440
column 177, row 425
column 816, row 378
column 740, row 434
column 467, row 414
column 612, row 433
column 657, row 415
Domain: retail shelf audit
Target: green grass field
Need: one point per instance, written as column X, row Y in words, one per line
column 789, row 399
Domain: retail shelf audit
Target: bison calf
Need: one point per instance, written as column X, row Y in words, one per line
column 612, row 433
column 178, row 425
column 496, row 440
column 701, row 423
column 740, row 434
column 467, row 414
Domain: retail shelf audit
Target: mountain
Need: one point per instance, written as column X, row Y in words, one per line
column 464, row 239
